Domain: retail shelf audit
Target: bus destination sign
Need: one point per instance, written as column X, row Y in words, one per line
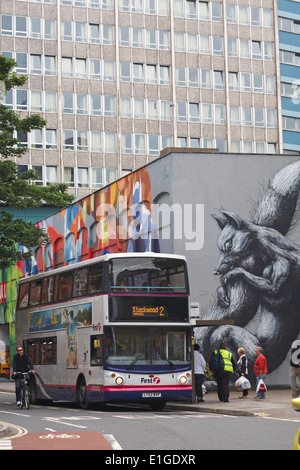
column 147, row 311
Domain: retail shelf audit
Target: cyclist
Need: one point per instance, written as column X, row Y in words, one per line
column 21, row 363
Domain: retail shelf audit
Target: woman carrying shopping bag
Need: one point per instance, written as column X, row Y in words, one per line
column 242, row 368
column 260, row 370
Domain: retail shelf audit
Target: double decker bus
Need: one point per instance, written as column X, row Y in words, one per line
column 111, row 329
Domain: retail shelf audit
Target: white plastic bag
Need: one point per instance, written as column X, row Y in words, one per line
column 261, row 387
column 242, row 383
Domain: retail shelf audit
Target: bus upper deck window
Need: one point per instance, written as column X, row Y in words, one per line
column 23, row 295
column 95, row 278
column 80, row 282
column 65, row 286
column 35, row 292
column 48, row 289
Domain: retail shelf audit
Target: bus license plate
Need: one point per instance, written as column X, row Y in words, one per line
column 151, row 395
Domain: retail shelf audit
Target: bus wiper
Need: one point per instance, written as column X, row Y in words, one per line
column 165, row 357
column 139, row 356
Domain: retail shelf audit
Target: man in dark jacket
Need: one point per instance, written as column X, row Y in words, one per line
column 21, row 363
column 295, row 368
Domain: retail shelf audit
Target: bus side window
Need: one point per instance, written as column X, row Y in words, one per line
column 35, row 292
column 95, row 278
column 32, row 348
column 80, row 282
column 48, row 351
column 55, row 294
column 23, row 295
column 96, row 350
column 65, row 286
column 48, row 289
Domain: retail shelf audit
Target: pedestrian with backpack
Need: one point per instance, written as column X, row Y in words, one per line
column 222, row 365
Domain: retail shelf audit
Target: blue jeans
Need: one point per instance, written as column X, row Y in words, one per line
column 260, row 394
column 18, row 385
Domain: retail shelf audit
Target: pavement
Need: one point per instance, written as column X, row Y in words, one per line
column 277, row 404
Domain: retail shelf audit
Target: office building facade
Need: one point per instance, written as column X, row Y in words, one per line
column 119, row 80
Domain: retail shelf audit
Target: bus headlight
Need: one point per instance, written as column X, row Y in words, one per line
column 182, row 380
column 119, row 380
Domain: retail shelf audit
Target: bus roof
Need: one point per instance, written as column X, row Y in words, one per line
column 105, row 257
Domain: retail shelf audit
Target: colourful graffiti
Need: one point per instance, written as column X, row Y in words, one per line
column 117, row 218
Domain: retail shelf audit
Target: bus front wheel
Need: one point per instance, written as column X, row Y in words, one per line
column 81, row 394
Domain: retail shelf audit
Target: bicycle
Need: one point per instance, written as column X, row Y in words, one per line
column 25, row 392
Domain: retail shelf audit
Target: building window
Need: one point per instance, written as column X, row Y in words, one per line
column 6, row 25
column 94, row 33
column 81, row 104
column 36, row 139
column 83, row 178
column 82, row 142
column 68, row 106
column 164, row 74
column 95, row 105
column 81, row 68
column 67, row 68
column 69, row 176
column 35, row 28
column 126, row 144
column 50, row 65
column 259, row 117
column 218, row 80
column 35, row 64
column 22, row 100
column 51, row 175
column 181, row 111
column 68, row 140
column 50, row 29
column 80, row 32
column 97, row 177
column 36, row 101
column 96, row 141
column 256, row 50
column 51, row 139
column 21, row 26
column 50, row 102
column 67, row 30
column 21, row 59
column 39, row 175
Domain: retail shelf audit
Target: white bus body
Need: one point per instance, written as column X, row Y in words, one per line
column 124, row 343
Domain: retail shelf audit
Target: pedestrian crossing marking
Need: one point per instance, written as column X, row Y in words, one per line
column 5, row 444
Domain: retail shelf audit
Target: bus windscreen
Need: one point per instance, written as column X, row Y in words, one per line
column 148, row 275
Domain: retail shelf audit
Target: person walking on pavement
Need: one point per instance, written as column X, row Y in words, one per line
column 199, row 368
column 260, row 370
column 242, row 368
column 21, row 363
column 295, row 369
column 223, row 376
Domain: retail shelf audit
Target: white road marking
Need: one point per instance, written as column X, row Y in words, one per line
column 112, row 441
column 5, row 444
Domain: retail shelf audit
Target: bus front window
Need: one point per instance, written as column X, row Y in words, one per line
column 129, row 347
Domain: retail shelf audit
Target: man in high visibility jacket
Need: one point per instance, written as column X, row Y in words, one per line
column 222, row 377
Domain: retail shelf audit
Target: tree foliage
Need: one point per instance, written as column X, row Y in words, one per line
column 18, row 191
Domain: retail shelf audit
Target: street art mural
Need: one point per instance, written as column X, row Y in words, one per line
column 259, row 265
column 115, row 219
column 259, row 269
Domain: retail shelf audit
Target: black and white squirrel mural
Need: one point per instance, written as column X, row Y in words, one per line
column 259, row 269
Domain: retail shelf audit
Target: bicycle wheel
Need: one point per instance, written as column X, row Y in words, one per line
column 27, row 397
column 22, row 397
